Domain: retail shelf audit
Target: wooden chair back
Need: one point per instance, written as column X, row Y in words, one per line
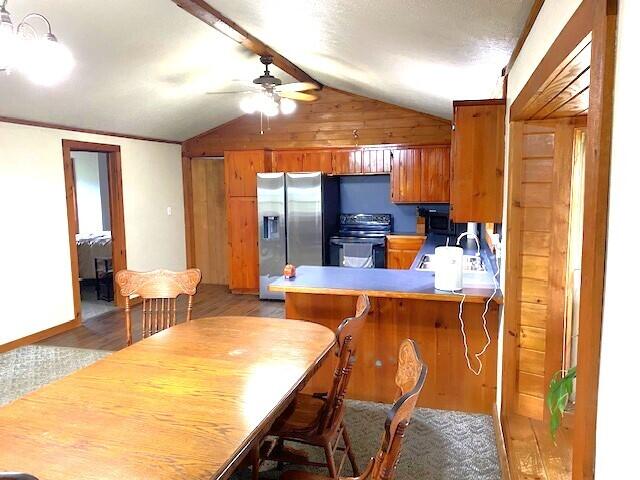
column 348, row 334
column 159, row 291
column 410, row 378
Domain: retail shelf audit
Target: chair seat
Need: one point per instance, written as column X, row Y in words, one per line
column 301, row 417
column 296, row 475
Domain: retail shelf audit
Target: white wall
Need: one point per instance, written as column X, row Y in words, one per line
column 88, row 192
column 35, row 278
column 618, row 417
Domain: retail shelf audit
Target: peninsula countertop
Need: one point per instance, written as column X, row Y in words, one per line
column 378, row 282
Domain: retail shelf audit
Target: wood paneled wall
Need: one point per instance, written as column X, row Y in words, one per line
column 210, row 219
column 328, row 122
column 540, row 181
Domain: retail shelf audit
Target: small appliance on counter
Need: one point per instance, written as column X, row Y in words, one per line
column 361, row 241
column 448, row 268
column 437, row 221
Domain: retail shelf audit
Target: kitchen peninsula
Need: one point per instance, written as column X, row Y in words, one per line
column 405, row 303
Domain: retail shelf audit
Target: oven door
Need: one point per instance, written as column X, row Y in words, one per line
column 375, row 259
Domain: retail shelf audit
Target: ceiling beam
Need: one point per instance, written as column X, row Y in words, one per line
column 205, row 12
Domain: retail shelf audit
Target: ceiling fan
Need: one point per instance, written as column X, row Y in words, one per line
column 271, row 96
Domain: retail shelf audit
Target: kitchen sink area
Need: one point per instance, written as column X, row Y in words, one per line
column 471, row 263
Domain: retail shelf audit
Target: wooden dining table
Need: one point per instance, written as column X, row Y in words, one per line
column 186, row 403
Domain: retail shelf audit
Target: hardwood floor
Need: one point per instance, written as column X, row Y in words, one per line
column 107, row 331
column 532, row 453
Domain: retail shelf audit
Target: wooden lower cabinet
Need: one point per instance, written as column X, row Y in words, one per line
column 435, row 327
column 242, row 215
column 402, row 250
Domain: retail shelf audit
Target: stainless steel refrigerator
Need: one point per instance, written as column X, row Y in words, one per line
column 297, row 213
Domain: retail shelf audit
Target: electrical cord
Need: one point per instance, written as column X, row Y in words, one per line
column 484, row 325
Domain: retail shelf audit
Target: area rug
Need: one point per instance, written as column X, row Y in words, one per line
column 439, row 445
column 26, row 369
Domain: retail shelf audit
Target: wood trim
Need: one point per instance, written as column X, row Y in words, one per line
column 505, row 472
column 187, row 186
column 57, row 126
column 36, row 337
column 205, row 12
column 531, row 20
column 574, row 32
column 596, row 211
column 514, row 267
column 116, row 207
column 487, row 101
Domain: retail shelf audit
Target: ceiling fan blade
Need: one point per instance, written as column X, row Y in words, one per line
column 303, row 97
column 231, row 92
column 296, row 87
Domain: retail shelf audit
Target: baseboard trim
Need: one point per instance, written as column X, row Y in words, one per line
column 37, row 337
column 500, row 445
column 242, row 291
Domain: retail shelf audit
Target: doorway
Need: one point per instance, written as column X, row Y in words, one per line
column 95, row 213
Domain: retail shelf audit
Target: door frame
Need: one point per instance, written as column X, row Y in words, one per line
column 116, row 207
column 600, row 18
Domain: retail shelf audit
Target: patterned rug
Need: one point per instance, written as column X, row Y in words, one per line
column 26, row 369
column 440, row 445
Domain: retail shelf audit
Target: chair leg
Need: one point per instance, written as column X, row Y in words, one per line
column 347, row 446
column 331, row 463
column 255, row 463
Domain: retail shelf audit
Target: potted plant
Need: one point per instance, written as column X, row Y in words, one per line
column 558, row 395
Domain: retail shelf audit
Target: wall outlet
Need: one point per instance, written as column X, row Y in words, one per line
column 169, row 211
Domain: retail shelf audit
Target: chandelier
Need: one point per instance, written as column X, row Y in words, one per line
column 40, row 57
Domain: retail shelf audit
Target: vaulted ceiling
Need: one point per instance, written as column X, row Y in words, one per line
column 143, row 66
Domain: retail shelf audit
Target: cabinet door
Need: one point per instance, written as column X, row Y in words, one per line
column 241, row 168
column 435, row 174
column 317, row 161
column 242, row 216
column 406, row 176
column 288, row 161
column 347, row 161
column 477, row 162
column 376, row 160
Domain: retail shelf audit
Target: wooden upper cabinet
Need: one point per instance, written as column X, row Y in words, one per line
column 288, row 161
column 406, row 176
column 435, row 169
column 318, row 161
column 347, row 161
column 376, row 160
column 241, row 168
column 242, row 215
column 477, row 159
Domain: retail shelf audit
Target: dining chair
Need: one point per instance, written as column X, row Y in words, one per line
column 410, row 378
column 16, row 476
column 318, row 419
column 159, row 291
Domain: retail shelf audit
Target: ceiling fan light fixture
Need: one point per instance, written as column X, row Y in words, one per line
column 287, row 106
column 248, row 104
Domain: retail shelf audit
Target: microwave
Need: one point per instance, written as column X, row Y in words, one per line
column 437, row 222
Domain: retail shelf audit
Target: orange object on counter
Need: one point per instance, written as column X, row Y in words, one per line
column 289, row 271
